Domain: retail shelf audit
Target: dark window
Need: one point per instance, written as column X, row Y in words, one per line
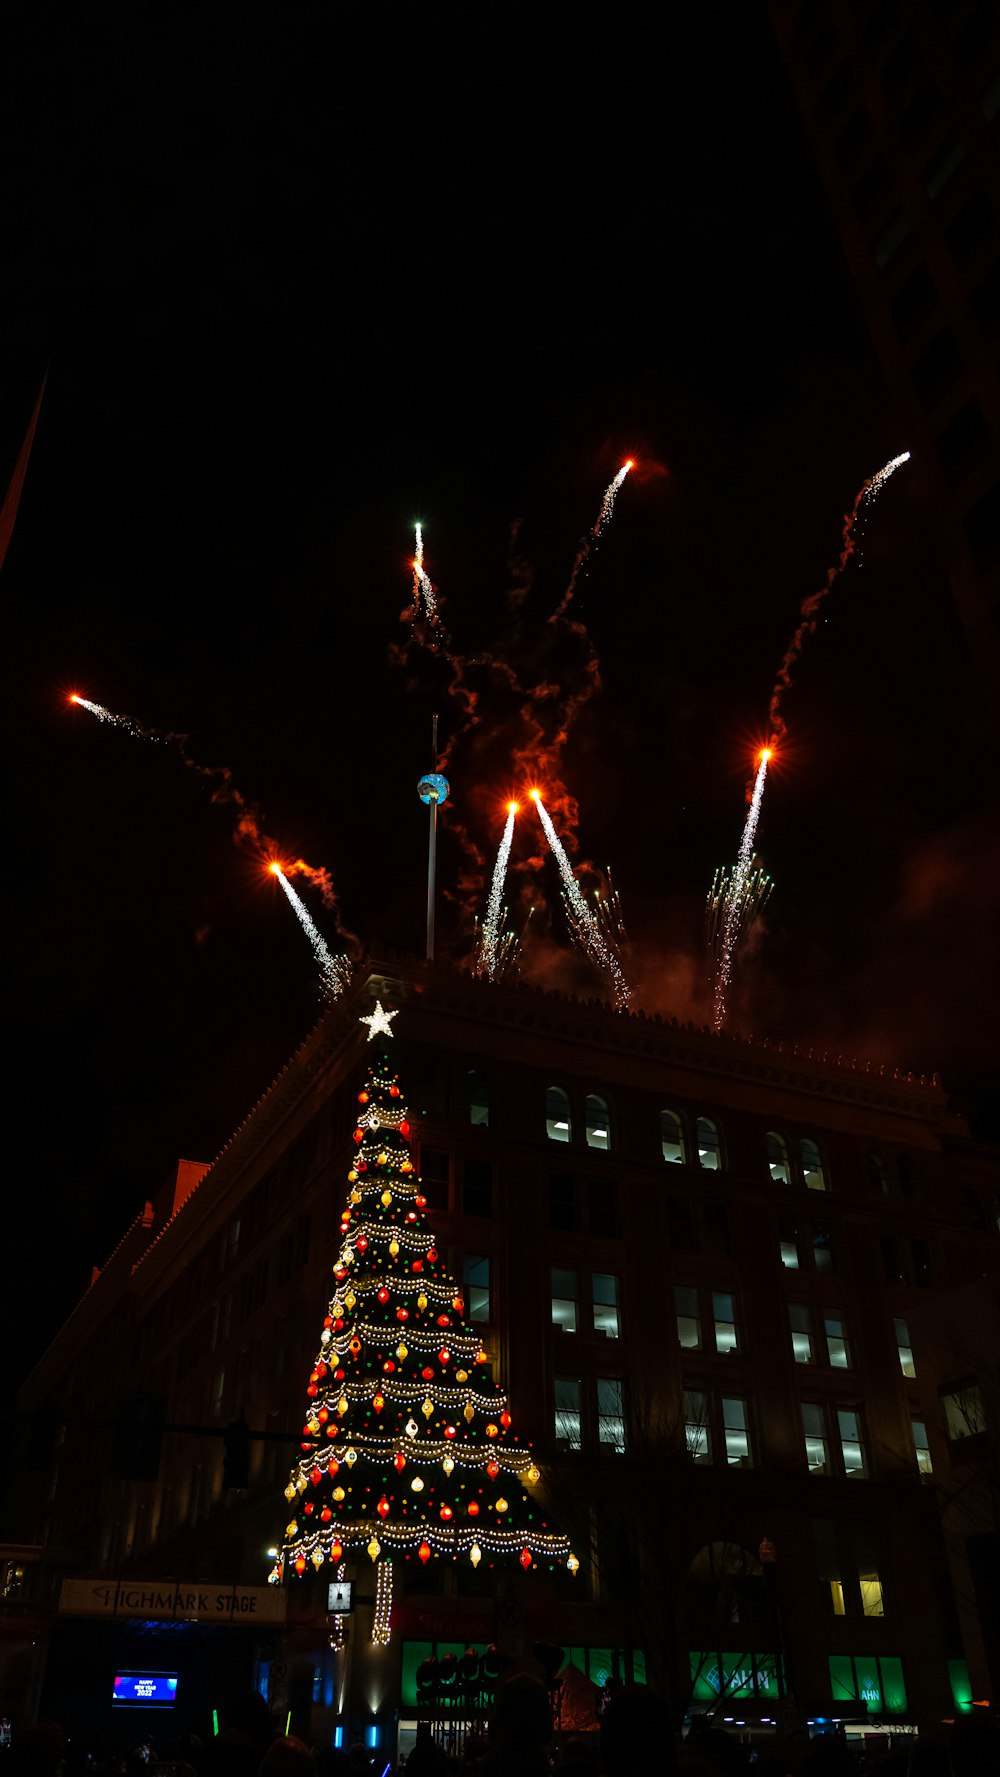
column 869, row 188
column 892, row 1259
column 936, row 367
column 975, row 1209
column 717, row 1228
column 878, row 1175
column 434, row 1167
column 681, row 1224
column 920, row 113
column 905, row 1180
column 897, row 230
column 602, row 1206
column 477, row 1188
column 964, row 440
column 562, row 1202
column 973, row 225
column 923, row 1270
column 853, row 136
column 985, row 300
column 982, row 525
column 942, row 166
column 899, row 67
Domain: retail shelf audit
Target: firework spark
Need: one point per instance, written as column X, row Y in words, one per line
column 587, row 930
column 335, row 971
column 488, row 955
column 600, row 524
column 756, row 894
column 869, row 489
column 735, row 901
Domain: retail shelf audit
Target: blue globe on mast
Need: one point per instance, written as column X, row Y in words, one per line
column 433, row 789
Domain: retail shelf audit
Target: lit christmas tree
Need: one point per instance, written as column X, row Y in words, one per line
column 407, row 1450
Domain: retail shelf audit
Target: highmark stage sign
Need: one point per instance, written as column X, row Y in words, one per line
column 172, row 1601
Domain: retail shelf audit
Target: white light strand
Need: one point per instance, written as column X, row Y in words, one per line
column 382, row 1617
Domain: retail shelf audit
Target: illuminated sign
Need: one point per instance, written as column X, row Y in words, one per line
column 148, row 1690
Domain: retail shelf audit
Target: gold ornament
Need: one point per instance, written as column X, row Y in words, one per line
column 427, row 1408
column 448, row 1465
column 501, row 1505
column 394, row 1249
column 469, row 1411
column 402, row 1350
column 461, row 1375
column 421, row 1302
column 338, row 1494
column 417, row 1484
column 475, row 1554
column 290, row 1492
column 374, row 1548
column 350, row 1299
column 572, row 1563
column 350, row 1457
column 317, row 1558
column 533, row 1475
column 386, row 1198
column 342, row 1405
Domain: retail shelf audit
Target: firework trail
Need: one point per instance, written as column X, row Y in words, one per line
column 869, row 489
column 489, row 938
column 423, row 587
column 335, row 971
column 586, row 929
column 756, row 894
column 600, row 524
column 249, row 831
column 735, row 900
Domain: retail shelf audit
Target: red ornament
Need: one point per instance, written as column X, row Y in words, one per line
column 361, row 1243
column 451, row 1431
column 320, row 1370
column 362, row 1098
column 418, row 1265
column 505, row 1419
column 326, row 1515
column 473, row 1508
column 300, row 1564
column 388, row 1366
column 446, row 1513
column 525, row 1559
column 383, row 1508
column 338, row 1325
column 309, row 1508
column 424, row 1552
column 402, row 1314
column 338, row 1375
column 431, row 1255
column 333, row 1465
column 336, row 1551
column 328, row 1321
column 312, row 1391
column 411, row 1215
column 393, row 1091
column 444, row 1320
column 359, row 1135
column 428, row 1374
column 316, row 1475
column 492, row 1469
column 404, row 1129
column 444, row 1356
column 421, row 1202
column 323, row 1415
column 383, row 1295
column 399, row 1461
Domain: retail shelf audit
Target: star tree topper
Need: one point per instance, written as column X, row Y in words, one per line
column 379, row 1022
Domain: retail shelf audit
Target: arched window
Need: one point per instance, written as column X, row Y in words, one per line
column 477, row 1097
column 709, row 1145
column 598, row 1121
column 558, row 1123
column 672, row 1137
column 812, row 1165
column 777, row 1158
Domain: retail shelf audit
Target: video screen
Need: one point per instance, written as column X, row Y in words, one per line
column 149, row 1690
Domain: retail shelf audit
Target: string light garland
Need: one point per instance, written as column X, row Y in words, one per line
column 407, row 1450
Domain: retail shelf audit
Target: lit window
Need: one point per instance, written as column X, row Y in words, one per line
column 564, row 1300
column 800, row 1321
column 558, row 1124
column 737, row 1434
column 788, row 1244
column 672, row 1137
column 477, row 1097
column 851, row 1446
column 709, row 1145
column 812, row 1165
column 567, row 1413
column 724, row 1315
column 904, row 1348
column 872, row 1602
column 605, row 1301
column 610, row 1414
column 921, row 1445
column 688, row 1318
column 963, row 1410
column 598, row 1122
column 837, row 1349
column 697, row 1440
column 827, row 1553
column 476, row 1276
column 814, row 1431
column 875, row 1680
column 777, row 1158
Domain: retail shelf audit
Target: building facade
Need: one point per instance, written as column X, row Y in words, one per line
column 697, row 1265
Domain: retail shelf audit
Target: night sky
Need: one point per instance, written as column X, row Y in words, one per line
column 298, row 284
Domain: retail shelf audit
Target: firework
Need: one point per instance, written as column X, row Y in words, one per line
column 334, row 971
column 600, row 524
column 490, row 941
column 423, row 587
column 756, row 894
column 869, row 489
column 130, row 726
column 736, row 898
column 587, row 930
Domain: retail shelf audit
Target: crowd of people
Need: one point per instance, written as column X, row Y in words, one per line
column 636, row 1738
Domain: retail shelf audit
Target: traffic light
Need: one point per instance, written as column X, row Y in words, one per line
column 236, row 1461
